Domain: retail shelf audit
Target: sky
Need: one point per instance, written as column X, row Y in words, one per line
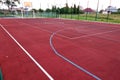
column 84, row 3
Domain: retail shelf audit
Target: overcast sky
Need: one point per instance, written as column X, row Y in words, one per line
column 92, row 3
column 60, row 3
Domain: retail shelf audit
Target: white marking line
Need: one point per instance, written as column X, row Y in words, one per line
column 39, row 66
column 53, row 22
column 66, row 59
column 94, row 34
column 45, row 29
column 108, row 38
column 66, row 29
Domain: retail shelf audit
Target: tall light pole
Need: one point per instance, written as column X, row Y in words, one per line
column 87, row 9
column 97, row 11
column 22, row 9
column 110, row 2
column 71, row 10
column 40, row 10
column 1, row 3
column 79, row 11
column 66, row 8
column 66, row 1
column 109, row 10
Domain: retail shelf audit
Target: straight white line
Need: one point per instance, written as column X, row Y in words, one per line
column 108, row 38
column 39, row 66
column 94, row 34
column 45, row 30
column 65, row 29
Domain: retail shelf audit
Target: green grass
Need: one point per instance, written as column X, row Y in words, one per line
column 113, row 18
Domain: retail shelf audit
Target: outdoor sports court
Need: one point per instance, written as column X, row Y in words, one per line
column 59, row 49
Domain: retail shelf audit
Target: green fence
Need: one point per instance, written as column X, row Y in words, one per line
column 1, row 76
column 31, row 14
column 114, row 18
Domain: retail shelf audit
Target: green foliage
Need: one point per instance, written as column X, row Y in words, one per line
column 1, row 12
column 34, row 10
column 9, row 3
column 118, row 9
column 48, row 10
column 40, row 10
column 115, row 12
column 53, row 9
column 74, row 9
column 66, row 9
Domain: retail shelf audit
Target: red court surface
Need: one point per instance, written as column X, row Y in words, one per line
column 57, row 49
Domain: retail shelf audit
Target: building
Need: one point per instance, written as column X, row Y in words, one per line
column 109, row 10
column 88, row 10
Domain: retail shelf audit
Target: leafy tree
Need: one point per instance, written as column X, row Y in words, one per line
column 53, row 8
column 78, row 9
column 58, row 10
column 101, row 11
column 41, row 10
column 48, row 10
column 34, row 10
column 66, row 8
column 9, row 3
column 118, row 10
column 62, row 11
column 74, row 9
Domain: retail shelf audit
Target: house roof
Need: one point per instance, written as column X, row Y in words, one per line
column 88, row 10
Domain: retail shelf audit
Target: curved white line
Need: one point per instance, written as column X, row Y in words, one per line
column 74, row 64
column 39, row 66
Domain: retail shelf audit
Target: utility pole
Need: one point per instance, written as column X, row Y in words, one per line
column 109, row 11
column 66, row 8
column 79, row 11
column 97, row 11
column 87, row 10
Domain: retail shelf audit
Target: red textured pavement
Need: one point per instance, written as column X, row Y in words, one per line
column 93, row 46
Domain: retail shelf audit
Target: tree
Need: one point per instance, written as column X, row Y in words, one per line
column 53, row 8
column 34, row 10
column 62, row 11
column 118, row 10
column 74, row 9
column 9, row 3
column 78, row 9
column 66, row 9
column 101, row 11
column 48, row 10
column 1, row 3
column 41, row 10
column 58, row 10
